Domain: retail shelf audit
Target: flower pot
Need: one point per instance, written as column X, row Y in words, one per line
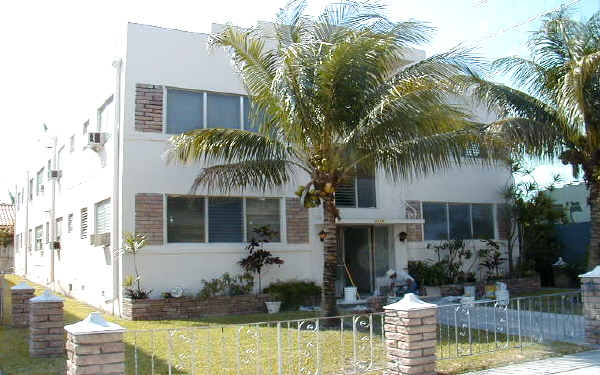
column 273, row 306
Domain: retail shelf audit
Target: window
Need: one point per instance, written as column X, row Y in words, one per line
column 70, row 223
column 49, row 169
column 184, row 111
column 39, row 178
column 225, row 222
column 223, row 111
column 31, row 189
column 358, row 192
column 59, row 159
column 59, row 228
column 459, row 221
column 483, row 221
column 72, row 143
column 47, row 232
column 260, row 213
column 83, row 228
column 436, row 221
column 38, row 237
column 102, row 218
column 105, row 115
column 252, row 120
column 185, row 219
column 29, row 240
column 86, row 125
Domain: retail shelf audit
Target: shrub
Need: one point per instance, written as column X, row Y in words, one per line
column 433, row 274
column 227, row 285
column 294, row 293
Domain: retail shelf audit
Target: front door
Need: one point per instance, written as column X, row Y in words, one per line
column 364, row 256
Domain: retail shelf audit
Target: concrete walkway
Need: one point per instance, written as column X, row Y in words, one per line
column 586, row 363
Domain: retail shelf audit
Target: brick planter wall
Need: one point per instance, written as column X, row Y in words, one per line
column 515, row 286
column 188, row 307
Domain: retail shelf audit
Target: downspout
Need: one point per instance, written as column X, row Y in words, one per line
column 114, row 241
column 53, row 217
column 27, row 244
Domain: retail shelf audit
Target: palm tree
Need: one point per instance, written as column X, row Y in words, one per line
column 558, row 112
column 335, row 97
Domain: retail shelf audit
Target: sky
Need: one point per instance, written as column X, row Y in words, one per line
column 57, row 55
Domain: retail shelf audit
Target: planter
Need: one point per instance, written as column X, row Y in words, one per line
column 273, row 306
column 433, row 291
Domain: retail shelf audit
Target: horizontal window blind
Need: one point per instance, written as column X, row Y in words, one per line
column 225, row 220
column 345, row 195
column 70, row 223
column 223, row 111
column 102, row 218
column 436, row 221
column 84, row 224
column 483, row 221
column 184, row 111
column 460, row 221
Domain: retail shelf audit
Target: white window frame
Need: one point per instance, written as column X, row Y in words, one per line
column 96, row 205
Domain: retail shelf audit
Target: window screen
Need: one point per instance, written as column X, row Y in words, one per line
column 185, row 219
column 102, row 218
column 436, row 221
column 460, row 221
column 225, row 220
column 260, row 213
column 83, row 228
column 184, row 111
column 223, row 111
column 483, row 221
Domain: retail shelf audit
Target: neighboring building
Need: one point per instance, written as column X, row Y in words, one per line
column 7, row 230
column 573, row 198
column 169, row 82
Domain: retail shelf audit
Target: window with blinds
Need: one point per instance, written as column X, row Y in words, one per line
column 260, row 213
column 102, row 217
column 222, row 111
column 225, row 221
column 357, row 192
column 483, row 221
column 70, row 223
column 83, row 229
column 38, row 237
column 59, row 228
column 184, row 111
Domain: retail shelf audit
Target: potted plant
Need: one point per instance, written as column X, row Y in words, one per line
column 274, row 303
column 258, row 257
column 132, row 285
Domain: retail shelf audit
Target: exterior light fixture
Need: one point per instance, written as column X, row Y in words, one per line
column 402, row 236
column 322, row 235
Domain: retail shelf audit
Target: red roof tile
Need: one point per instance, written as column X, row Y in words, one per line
column 7, row 215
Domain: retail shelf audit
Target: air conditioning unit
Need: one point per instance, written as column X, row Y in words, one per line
column 41, row 188
column 55, row 174
column 100, row 239
column 55, row 245
column 96, row 140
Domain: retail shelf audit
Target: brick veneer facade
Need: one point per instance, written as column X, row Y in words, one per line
column 414, row 231
column 149, row 217
column 148, row 108
column 20, row 296
column 297, row 221
column 188, row 307
column 46, row 326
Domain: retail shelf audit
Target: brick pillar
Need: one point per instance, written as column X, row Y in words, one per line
column 95, row 346
column 20, row 296
column 410, row 336
column 590, row 284
column 46, row 321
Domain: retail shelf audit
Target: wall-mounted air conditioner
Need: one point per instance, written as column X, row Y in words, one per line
column 96, row 140
column 55, row 174
column 100, row 239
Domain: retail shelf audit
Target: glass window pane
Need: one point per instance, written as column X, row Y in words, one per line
column 483, row 221
column 252, row 121
column 345, row 195
column 223, row 111
column 436, row 221
column 366, row 190
column 260, row 213
column 460, row 221
column 225, row 221
column 185, row 219
column 102, row 218
column 184, row 111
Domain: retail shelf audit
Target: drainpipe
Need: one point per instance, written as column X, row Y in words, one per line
column 26, row 233
column 115, row 238
column 53, row 217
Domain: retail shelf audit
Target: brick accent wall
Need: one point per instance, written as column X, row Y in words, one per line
column 149, row 217
column 187, row 307
column 414, row 231
column 297, row 221
column 148, row 108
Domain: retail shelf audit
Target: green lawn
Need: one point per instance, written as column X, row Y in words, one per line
column 214, row 344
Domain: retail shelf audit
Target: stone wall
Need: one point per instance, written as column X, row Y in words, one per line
column 188, row 307
column 148, row 108
column 297, row 221
column 149, row 217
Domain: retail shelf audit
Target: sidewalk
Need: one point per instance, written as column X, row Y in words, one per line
column 586, row 363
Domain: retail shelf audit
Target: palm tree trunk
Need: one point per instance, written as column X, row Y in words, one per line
column 328, row 299
column 594, row 249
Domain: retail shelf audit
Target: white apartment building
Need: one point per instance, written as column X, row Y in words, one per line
column 85, row 194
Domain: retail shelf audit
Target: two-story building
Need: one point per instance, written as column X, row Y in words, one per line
column 110, row 177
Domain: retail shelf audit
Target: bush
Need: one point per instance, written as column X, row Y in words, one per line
column 227, row 285
column 294, row 293
column 429, row 274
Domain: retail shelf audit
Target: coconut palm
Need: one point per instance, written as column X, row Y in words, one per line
column 334, row 96
column 558, row 111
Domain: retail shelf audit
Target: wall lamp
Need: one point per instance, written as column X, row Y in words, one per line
column 322, row 235
column 402, row 236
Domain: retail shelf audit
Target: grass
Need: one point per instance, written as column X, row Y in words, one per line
column 212, row 344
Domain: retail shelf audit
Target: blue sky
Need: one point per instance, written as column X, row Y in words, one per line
column 56, row 59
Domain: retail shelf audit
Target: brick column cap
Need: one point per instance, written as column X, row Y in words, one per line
column 593, row 273
column 410, row 301
column 47, row 296
column 22, row 286
column 93, row 324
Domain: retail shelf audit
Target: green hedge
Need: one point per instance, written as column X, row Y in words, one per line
column 295, row 293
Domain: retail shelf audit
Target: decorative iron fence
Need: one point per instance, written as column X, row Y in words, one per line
column 341, row 345
column 489, row 326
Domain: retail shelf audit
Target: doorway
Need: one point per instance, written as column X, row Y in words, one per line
column 364, row 256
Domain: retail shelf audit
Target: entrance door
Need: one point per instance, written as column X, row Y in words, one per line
column 366, row 254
